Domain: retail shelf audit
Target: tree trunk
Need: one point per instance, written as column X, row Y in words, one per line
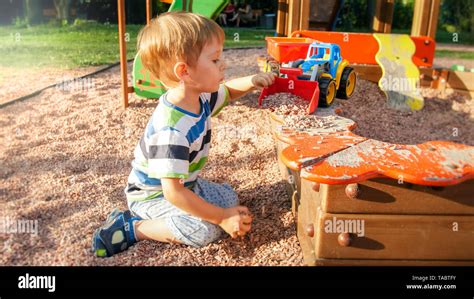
column 62, row 9
column 32, row 11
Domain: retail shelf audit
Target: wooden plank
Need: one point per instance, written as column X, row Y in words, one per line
column 377, row 24
column 387, row 196
column 396, row 237
column 382, row 21
column 389, row 8
column 461, row 80
column 415, row 30
column 425, row 18
column 425, row 76
column 433, row 20
column 123, row 51
column 307, row 208
column 425, row 14
column 281, row 17
column 286, row 18
column 304, row 15
column 148, row 12
column 368, row 72
column 293, row 16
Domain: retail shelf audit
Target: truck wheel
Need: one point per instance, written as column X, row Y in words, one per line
column 327, row 91
column 348, row 82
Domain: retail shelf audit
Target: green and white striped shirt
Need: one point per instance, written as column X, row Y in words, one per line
column 175, row 144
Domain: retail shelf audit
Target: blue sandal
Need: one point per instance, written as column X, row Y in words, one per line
column 116, row 235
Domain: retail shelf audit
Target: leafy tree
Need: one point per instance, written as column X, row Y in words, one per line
column 457, row 16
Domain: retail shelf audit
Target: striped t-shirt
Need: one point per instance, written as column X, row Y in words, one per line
column 175, row 144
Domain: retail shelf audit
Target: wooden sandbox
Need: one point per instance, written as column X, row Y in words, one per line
column 360, row 201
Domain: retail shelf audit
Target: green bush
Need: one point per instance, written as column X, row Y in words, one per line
column 354, row 16
column 402, row 15
column 454, row 16
column 82, row 23
column 20, row 22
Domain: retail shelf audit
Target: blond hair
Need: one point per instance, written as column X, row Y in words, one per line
column 173, row 37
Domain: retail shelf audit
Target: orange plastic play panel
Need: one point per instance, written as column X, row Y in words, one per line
column 361, row 48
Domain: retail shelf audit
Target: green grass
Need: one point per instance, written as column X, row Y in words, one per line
column 87, row 44
column 246, row 37
column 93, row 44
column 64, row 47
column 454, row 54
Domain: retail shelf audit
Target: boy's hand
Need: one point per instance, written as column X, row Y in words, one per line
column 262, row 80
column 236, row 221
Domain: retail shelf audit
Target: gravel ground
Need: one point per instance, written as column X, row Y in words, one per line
column 285, row 103
column 292, row 110
column 447, row 62
column 448, row 117
column 17, row 82
column 66, row 156
column 443, row 117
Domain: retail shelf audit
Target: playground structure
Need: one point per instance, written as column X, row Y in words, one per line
column 320, row 15
column 296, row 17
column 403, row 197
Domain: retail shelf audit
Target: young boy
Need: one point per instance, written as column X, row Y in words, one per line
column 168, row 201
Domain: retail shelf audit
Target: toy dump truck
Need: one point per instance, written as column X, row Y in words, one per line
column 322, row 65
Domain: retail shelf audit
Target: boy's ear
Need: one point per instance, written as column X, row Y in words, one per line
column 181, row 70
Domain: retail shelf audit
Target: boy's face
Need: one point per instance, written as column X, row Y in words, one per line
column 208, row 73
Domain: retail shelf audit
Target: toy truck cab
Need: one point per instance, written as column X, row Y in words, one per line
column 322, row 58
column 324, row 64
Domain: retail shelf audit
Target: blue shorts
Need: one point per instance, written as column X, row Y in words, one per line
column 188, row 229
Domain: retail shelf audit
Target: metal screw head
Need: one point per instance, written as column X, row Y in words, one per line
column 344, row 239
column 291, row 179
column 310, row 230
column 352, row 190
column 316, row 186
